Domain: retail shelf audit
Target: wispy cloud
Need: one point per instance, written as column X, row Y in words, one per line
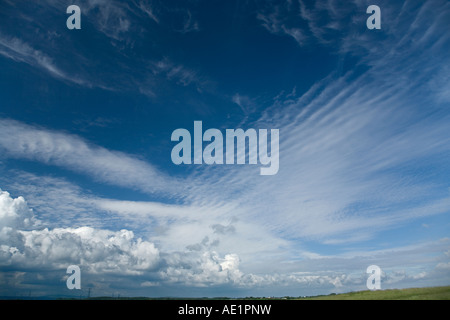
column 190, row 24
column 114, row 22
column 17, row 50
column 349, row 142
column 308, row 22
column 245, row 103
column 149, row 9
column 73, row 153
column 174, row 72
column 345, row 138
column 177, row 73
column 275, row 22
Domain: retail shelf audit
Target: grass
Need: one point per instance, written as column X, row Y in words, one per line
column 432, row 293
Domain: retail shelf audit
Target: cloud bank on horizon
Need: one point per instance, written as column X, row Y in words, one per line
column 85, row 123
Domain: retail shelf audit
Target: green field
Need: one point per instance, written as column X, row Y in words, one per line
column 433, row 293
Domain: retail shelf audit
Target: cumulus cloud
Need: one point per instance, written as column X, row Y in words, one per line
column 202, row 269
column 97, row 250
column 100, row 251
column 14, row 213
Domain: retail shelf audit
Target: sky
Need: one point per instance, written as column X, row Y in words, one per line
column 87, row 115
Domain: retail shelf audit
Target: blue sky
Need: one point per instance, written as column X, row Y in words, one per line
column 86, row 118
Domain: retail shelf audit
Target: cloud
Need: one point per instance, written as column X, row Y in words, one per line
column 275, row 22
column 114, row 24
column 100, row 251
column 177, row 73
column 112, row 18
column 342, row 26
column 202, row 269
column 73, row 153
column 314, row 18
column 295, row 33
column 18, row 50
column 59, row 203
column 355, row 154
column 348, row 147
column 245, row 103
column 190, row 25
column 14, row 213
column 221, row 229
column 317, row 22
column 149, row 10
column 111, row 257
column 96, row 250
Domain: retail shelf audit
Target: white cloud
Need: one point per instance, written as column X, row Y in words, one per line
column 173, row 227
column 42, row 49
column 149, row 10
column 348, row 148
column 150, row 284
column 349, row 145
column 246, row 104
column 18, row 50
column 345, row 143
column 173, row 72
column 318, row 21
column 202, row 269
column 295, row 33
column 96, row 250
column 100, row 252
column 110, row 17
column 275, row 23
column 72, row 152
column 190, row 24
column 14, row 213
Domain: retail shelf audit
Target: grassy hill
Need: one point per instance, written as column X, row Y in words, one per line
column 433, row 293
